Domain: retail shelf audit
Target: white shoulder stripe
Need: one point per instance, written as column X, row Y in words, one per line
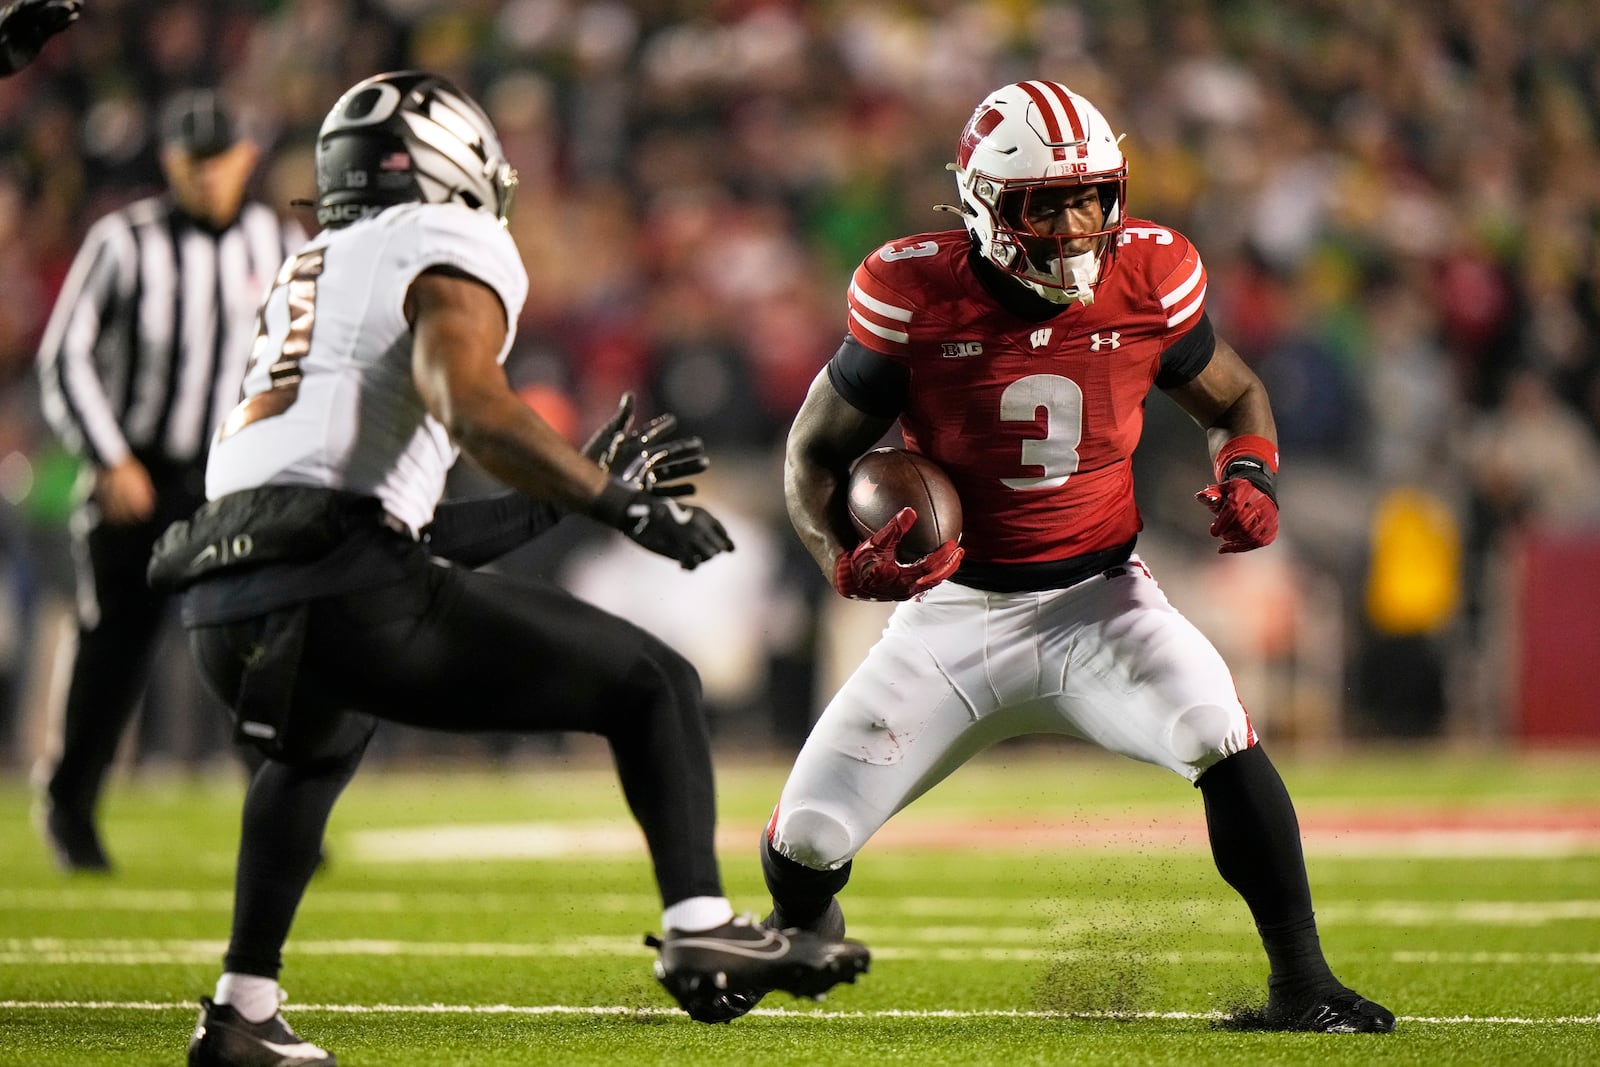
column 872, row 303
column 1188, row 284
column 1188, row 310
column 882, row 331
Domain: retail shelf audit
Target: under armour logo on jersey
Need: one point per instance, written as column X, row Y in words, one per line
column 1039, row 338
column 1108, row 340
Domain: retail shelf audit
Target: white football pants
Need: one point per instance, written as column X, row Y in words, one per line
column 1108, row 660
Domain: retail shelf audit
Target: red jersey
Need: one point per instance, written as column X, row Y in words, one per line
column 1035, row 422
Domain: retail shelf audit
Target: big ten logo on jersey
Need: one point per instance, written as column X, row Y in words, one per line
column 1157, row 234
column 960, row 349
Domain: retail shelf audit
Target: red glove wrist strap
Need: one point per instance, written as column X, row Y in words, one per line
column 1246, row 445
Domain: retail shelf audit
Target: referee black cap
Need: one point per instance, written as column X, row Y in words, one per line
column 197, row 122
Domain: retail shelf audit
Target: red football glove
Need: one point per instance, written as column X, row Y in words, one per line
column 1243, row 501
column 871, row 572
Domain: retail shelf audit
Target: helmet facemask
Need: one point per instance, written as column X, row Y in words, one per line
column 1031, row 142
column 1062, row 267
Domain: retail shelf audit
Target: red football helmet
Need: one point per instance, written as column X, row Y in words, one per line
column 1032, row 136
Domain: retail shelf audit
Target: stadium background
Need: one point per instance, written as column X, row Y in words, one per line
column 1398, row 206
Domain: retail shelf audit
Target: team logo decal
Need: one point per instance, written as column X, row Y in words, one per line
column 981, row 125
column 1097, row 341
column 1039, row 338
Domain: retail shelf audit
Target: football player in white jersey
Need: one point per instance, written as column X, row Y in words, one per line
column 313, row 593
column 1017, row 352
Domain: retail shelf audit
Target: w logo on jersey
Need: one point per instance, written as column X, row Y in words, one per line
column 1039, row 338
column 1107, row 340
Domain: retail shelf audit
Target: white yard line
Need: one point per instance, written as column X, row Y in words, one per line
column 950, row 918
column 552, row 840
column 117, row 951
column 781, row 1013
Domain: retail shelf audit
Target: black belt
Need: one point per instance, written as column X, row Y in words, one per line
column 1051, row 574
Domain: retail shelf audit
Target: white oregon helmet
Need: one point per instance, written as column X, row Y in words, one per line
column 408, row 136
column 1039, row 135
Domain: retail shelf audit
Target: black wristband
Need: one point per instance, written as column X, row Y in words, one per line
column 611, row 506
column 1254, row 470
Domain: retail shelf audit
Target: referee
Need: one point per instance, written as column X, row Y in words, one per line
column 143, row 355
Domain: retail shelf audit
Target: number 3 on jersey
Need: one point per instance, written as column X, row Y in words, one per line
column 1057, row 451
column 299, row 275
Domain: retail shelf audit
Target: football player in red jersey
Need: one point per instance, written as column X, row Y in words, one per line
column 1017, row 353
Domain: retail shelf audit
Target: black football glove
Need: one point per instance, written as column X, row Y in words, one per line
column 648, row 459
column 27, row 24
column 689, row 535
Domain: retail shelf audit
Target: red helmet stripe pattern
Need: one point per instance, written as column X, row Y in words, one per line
column 875, row 320
column 981, row 125
column 1056, row 108
column 1183, row 293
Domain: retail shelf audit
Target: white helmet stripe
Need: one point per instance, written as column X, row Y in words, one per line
column 1059, row 114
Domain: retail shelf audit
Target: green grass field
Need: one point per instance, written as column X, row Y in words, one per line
column 1047, row 905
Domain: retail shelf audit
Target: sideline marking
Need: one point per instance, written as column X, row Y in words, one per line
column 776, row 1013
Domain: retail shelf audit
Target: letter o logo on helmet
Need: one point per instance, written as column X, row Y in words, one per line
column 408, row 137
column 370, row 106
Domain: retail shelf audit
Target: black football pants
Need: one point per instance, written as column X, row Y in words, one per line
column 119, row 629
column 461, row 650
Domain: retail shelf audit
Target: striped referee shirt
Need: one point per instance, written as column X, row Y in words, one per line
column 147, row 344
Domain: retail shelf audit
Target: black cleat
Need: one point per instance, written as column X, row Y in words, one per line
column 74, row 842
column 829, row 927
column 1336, row 1010
column 224, row 1038
column 720, row 974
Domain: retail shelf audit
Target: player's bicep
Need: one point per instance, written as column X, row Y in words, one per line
column 1226, row 395
column 842, row 416
column 827, row 435
column 458, row 327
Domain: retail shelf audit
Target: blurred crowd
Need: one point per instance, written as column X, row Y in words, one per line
column 1398, row 205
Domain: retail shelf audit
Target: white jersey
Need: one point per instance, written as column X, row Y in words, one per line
column 328, row 399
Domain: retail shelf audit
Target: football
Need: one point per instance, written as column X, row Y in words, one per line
column 887, row 479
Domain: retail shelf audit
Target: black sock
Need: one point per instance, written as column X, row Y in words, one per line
column 1255, row 840
column 285, row 813
column 799, row 894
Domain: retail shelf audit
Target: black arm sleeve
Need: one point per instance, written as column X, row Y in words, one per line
column 478, row 531
column 1186, row 357
column 876, row 384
